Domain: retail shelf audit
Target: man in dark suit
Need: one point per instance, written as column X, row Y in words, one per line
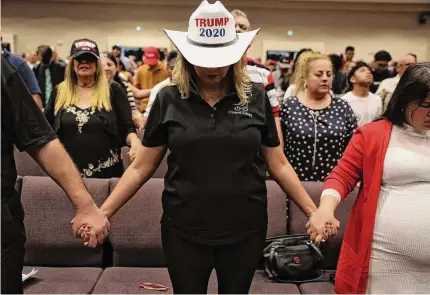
column 49, row 73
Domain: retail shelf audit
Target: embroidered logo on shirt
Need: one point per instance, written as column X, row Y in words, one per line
column 241, row 110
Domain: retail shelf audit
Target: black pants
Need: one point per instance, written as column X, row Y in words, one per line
column 190, row 264
column 12, row 245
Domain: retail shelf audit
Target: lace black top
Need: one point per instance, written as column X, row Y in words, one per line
column 92, row 137
column 93, row 150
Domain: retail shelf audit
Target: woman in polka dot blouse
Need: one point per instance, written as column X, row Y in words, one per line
column 316, row 126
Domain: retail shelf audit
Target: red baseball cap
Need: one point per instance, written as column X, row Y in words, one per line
column 151, row 56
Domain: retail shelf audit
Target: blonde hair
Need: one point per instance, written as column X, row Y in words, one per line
column 240, row 13
column 182, row 75
column 67, row 94
column 302, row 69
column 237, row 12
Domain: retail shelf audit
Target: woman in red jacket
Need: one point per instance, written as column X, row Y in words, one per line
column 386, row 245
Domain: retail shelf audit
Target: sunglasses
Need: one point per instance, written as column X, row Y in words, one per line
column 86, row 57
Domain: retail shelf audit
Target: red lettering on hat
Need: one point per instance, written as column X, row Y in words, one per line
column 212, row 22
column 219, row 22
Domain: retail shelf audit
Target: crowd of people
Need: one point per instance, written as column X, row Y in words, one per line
column 227, row 119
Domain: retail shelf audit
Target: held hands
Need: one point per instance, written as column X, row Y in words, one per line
column 321, row 225
column 93, row 223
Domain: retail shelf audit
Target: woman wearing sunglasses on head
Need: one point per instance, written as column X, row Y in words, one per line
column 92, row 117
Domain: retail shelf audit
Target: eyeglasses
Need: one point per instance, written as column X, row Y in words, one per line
column 424, row 105
column 405, row 65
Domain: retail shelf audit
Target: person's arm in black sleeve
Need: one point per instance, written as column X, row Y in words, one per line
column 269, row 136
column 50, row 107
column 126, row 125
column 62, row 71
column 279, row 168
column 147, row 161
column 33, row 134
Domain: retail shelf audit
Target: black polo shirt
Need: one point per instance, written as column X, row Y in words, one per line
column 22, row 124
column 215, row 189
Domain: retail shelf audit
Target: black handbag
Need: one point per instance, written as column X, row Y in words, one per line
column 293, row 259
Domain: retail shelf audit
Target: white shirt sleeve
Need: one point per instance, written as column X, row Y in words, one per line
column 382, row 92
column 331, row 193
column 153, row 95
column 291, row 91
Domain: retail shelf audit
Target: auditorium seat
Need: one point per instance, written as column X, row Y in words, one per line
column 136, row 242
column 18, row 184
column 159, row 173
column 64, row 264
column 330, row 249
column 26, row 166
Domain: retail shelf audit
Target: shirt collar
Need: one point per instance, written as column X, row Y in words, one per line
column 410, row 130
column 230, row 92
column 4, row 52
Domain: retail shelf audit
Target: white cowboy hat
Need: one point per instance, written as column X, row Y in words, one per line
column 211, row 40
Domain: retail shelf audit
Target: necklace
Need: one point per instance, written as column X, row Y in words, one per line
column 87, row 86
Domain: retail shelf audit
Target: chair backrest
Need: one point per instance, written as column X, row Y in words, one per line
column 159, row 173
column 297, row 221
column 135, row 229
column 162, row 168
column 48, row 214
column 276, row 210
column 26, row 165
column 125, row 158
column 18, row 185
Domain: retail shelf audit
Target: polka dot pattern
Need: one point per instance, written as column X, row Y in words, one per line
column 334, row 128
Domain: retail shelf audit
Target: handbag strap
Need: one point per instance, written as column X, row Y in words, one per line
column 316, row 249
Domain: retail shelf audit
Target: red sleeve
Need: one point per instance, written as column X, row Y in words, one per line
column 270, row 80
column 348, row 171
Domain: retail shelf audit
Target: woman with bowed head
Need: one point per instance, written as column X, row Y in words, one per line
column 317, row 126
column 222, row 135
column 386, row 246
column 92, row 117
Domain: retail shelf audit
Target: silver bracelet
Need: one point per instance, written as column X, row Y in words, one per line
column 312, row 214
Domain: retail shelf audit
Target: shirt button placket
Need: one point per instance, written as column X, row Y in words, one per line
column 212, row 120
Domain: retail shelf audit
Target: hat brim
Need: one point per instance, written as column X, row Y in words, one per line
column 284, row 66
column 211, row 57
column 83, row 53
column 150, row 61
